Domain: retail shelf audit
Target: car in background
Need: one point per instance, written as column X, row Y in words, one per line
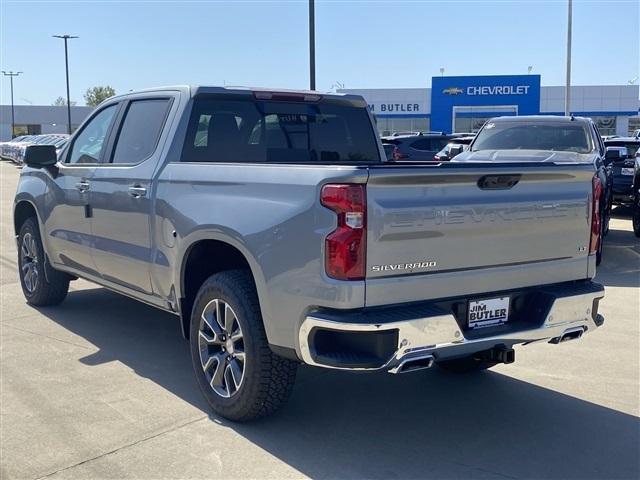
column 16, row 149
column 453, row 148
column 552, row 139
column 416, row 148
column 622, row 167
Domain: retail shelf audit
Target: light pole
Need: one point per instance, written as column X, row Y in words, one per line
column 312, row 45
column 567, row 94
column 13, row 121
column 66, row 64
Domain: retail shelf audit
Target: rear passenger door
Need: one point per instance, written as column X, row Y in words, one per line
column 121, row 193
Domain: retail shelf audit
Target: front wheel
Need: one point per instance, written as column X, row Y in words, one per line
column 238, row 374
column 40, row 288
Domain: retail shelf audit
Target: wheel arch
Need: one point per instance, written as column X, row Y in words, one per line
column 222, row 253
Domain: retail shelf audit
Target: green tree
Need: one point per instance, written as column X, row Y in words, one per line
column 96, row 95
column 62, row 102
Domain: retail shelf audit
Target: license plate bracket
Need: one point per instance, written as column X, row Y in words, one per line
column 488, row 312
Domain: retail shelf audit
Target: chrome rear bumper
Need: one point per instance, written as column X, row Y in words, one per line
column 438, row 334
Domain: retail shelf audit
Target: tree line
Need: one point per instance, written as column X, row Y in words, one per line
column 92, row 97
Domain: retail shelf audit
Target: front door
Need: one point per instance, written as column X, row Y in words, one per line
column 67, row 224
column 121, row 195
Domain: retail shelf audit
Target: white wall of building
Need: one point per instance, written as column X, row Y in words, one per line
column 51, row 119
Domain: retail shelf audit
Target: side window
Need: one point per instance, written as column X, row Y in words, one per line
column 423, row 144
column 88, row 145
column 140, row 130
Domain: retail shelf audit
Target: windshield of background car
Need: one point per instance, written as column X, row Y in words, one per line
column 561, row 137
column 255, row 131
column 632, row 147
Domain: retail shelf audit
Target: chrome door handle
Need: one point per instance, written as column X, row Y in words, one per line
column 83, row 186
column 137, row 191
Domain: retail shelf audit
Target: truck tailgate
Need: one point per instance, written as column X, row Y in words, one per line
column 463, row 229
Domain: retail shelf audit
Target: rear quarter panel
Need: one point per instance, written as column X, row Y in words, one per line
column 272, row 214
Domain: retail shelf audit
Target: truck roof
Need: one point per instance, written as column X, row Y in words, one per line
column 540, row 118
column 199, row 90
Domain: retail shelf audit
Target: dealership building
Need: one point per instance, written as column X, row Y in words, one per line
column 463, row 104
column 37, row 119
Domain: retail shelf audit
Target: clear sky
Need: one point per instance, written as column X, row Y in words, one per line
column 367, row 44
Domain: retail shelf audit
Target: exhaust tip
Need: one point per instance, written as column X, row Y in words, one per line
column 568, row 335
column 414, row 364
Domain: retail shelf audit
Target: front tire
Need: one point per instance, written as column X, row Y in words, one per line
column 238, row 374
column 40, row 288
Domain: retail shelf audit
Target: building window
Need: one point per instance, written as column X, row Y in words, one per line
column 634, row 124
column 606, row 125
column 27, row 130
column 387, row 126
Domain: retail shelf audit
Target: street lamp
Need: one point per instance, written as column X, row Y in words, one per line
column 312, row 45
column 66, row 63
column 442, row 71
column 13, row 121
column 567, row 94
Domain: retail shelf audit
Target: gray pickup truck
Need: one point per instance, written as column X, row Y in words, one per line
column 272, row 225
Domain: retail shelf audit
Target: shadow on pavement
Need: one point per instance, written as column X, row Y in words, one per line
column 421, row 425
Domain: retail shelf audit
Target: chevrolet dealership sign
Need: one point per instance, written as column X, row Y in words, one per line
column 519, row 93
column 489, row 90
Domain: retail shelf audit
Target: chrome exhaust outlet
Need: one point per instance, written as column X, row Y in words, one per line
column 412, row 364
column 569, row 334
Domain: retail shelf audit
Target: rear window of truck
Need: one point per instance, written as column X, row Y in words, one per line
column 256, row 131
column 563, row 137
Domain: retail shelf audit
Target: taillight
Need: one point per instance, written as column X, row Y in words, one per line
column 345, row 247
column 398, row 155
column 595, row 215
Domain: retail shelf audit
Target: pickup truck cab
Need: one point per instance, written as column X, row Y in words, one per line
column 272, row 226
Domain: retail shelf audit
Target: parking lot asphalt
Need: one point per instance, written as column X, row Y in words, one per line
column 101, row 387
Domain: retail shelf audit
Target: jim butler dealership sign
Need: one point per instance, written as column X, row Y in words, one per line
column 521, row 91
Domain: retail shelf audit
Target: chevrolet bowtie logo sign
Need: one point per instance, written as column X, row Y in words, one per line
column 452, row 91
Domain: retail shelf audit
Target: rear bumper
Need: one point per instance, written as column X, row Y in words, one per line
column 385, row 338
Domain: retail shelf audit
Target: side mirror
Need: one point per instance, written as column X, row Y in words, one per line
column 39, row 156
column 612, row 154
column 455, row 150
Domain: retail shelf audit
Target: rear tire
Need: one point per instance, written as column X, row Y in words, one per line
column 600, row 245
column 468, row 364
column 238, row 374
column 40, row 288
column 635, row 213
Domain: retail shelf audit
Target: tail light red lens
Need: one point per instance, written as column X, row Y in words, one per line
column 595, row 215
column 345, row 247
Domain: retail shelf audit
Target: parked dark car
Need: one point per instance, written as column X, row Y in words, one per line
column 552, row 139
column 622, row 167
column 417, row 148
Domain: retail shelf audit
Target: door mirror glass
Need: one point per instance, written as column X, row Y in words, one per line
column 38, row 156
column 455, row 150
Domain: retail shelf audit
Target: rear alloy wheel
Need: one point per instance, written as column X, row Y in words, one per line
column 238, row 374
column 221, row 348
